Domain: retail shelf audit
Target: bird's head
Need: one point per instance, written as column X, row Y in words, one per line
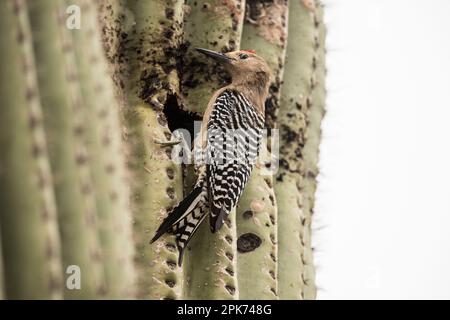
column 243, row 66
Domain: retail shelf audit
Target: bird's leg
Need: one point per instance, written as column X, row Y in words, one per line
column 167, row 143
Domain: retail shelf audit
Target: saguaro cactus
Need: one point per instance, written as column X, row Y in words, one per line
column 105, row 99
column 296, row 273
column 64, row 118
column 148, row 58
column 28, row 217
column 108, row 165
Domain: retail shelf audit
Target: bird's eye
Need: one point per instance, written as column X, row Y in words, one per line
column 243, row 56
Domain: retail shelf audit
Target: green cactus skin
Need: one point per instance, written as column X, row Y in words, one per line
column 215, row 25
column 256, row 216
column 212, row 275
column 265, row 31
column 107, row 161
column 31, row 246
column 64, row 119
column 295, row 98
column 155, row 190
column 314, row 118
column 211, row 266
column 147, row 54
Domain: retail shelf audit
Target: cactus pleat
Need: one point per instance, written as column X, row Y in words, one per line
column 107, row 159
column 216, row 25
column 314, row 118
column 295, row 98
column 147, row 78
column 265, row 31
column 212, row 275
column 64, row 119
column 256, row 216
column 30, row 240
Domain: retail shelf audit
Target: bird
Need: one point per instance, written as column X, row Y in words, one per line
column 229, row 143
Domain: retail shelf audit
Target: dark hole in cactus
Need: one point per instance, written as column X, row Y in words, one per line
column 170, row 283
column 248, row 242
column 229, row 271
column 247, row 214
column 272, row 238
column 310, row 175
column 171, row 264
column 171, row 247
column 272, row 219
column 162, row 120
column 168, row 151
column 169, row 13
column 177, row 118
column 272, row 200
column 170, row 173
column 227, row 222
column 168, row 135
column 170, row 192
column 229, row 256
column 268, row 182
column 273, row 291
column 272, row 274
column 229, row 239
column 272, row 256
column 230, row 289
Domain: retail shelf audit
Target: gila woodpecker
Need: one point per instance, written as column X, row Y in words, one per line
column 230, row 139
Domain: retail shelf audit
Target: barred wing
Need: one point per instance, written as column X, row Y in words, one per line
column 233, row 140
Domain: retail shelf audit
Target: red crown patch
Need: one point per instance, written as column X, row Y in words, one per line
column 249, row 51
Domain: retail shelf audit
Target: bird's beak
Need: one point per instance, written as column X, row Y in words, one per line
column 219, row 57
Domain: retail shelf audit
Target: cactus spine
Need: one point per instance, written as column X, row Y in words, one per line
column 32, row 266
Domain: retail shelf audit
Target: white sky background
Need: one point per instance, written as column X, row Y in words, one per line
column 384, row 191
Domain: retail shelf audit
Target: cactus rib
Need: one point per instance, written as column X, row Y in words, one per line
column 31, row 246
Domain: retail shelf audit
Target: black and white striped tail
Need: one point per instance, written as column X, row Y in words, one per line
column 185, row 219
